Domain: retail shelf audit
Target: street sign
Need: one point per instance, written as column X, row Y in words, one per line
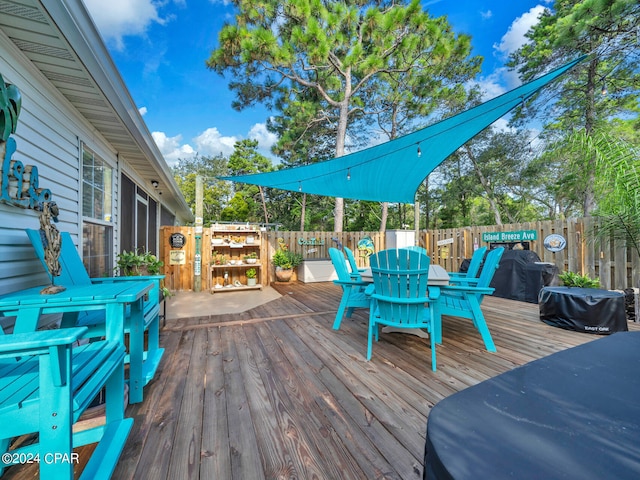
column 446, row 241
column 517, row 236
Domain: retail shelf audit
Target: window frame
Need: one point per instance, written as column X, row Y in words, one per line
column 106, row 220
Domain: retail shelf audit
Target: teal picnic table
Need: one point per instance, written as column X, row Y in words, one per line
column 119, row 300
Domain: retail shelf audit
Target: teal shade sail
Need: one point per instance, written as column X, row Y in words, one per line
column 392, row 171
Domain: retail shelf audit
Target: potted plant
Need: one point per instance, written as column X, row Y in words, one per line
column 141, row 264
column 285, row 261
column 134, row 263
column 570, row 279
column 251, row 277
column 251, row 257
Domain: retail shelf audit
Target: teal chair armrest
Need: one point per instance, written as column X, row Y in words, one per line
column 464, row 281
column 404, row 301
column 467, row 289
column 352, row 283
column 33, row 343
column 433, row 292
column 127, row 279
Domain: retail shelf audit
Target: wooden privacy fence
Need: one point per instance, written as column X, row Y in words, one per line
column 180, row 277
column 617, row 266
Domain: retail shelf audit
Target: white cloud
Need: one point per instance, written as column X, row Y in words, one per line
column 171, row 148
column 498, row 82
column 491, row 85
column 515, row 36
column 486, row 15
column 211, row 143
column 265, row 138
column 118, row 18
column 143, row 111
column 502, row 125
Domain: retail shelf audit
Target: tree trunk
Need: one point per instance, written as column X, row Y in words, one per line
column 416, row 220
column 338, row 212
column 303, row 211
column 485, row 185
column 589, row 201
column 384, row 216
column 264, row 205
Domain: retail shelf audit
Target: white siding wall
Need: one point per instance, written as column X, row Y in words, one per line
column 48, row 136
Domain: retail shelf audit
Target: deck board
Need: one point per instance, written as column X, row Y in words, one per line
column 276, row 393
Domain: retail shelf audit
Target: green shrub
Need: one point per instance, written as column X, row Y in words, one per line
column 286, row 259
column 570, row 279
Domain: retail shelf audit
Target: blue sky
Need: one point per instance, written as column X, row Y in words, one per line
column 160, row 48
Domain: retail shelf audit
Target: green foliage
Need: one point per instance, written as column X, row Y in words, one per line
column 276, row 53
column 618, row 189
column 251, row 273
column 570, row 279
column 216, row 192
column 135, row 263
column 248, row 203
column 332, row 57
column 606, row 30
column 286, row 259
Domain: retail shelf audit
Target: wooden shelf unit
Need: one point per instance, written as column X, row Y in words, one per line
column 232, row 244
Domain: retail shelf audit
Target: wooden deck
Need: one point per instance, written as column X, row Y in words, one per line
column 276, row 393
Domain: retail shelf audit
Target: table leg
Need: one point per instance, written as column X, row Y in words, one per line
column 27, row 320
column 136, row 352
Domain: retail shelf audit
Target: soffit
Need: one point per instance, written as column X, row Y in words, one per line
column 77, row 63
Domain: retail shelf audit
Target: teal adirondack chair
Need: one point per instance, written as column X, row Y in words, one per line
column 355, row 270
column 353, row 291
column 465, row 300
column 470, row 276
column 402, row 298
column 45, row 385
column 416, row 248
column 73, row 272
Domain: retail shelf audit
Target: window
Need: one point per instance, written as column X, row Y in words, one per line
column 97, row 250
column 97, row 187
column 97, row 210
column 138, row 217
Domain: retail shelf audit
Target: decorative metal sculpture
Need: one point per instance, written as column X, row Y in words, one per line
column 51, row 241
column 18, row 182
column 10, row 104
column 366, row 246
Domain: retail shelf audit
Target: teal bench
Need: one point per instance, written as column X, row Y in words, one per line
column 73, row 272
column 45, row 385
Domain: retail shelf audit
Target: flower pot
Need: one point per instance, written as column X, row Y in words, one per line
column 251, row 282
column 283, row 275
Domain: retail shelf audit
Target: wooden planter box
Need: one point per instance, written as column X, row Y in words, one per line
column 311, row 271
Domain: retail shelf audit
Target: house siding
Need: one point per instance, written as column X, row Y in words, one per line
column 49, row 136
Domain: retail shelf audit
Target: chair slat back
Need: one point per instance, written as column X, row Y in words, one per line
column 340, row 264
column 417, row 248
column 476, row 262
column 400, row 275
column 491, row 264
column 351, row 259
column 72, row 271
